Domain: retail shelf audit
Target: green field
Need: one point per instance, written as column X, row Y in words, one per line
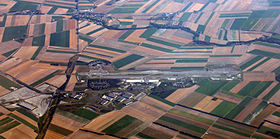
column 229, row 85
column 210, row 17
column 148, row 32
column 56, row 18
column 103, row 55
column 14, row 32
column 265, row 53
column 59, row 25
column 223, row 108
column 162, row 100
column 231, row 94
column 185, row 8
column 225, row 55
column 107, row 48
column 274, row 3
column 87, row 114
column 192, row 52
column 119, row 125
column 144, row 136
column 23, row 5
column 52, row 10
column 191, row 116
column 164, row 42
column 9, row 126
column 201, row 29
column 122, row 10
column 249, row 63
column 66, row 52
column 126, row 23
column 125, row 35
column 60, row 130
column 197, row 19
column 257, row 15
column 44, row 79
column 234, row 15
column 192, row 60
column 248, row 88
column 73, row 116
column 6, row 83
column 86, row 38
column 88, row 57
column 5, row 120
column 28, row 114
column 276, row 114
column 192, row 99
column 36, row 53
column 94, row 31
column 225, row 23
column 185, row 17
column 132, row 5
column 272, row 92
column 267, row 130
column 127, row 60
column 230, row 129
column 137, row 0
column 60, row 39
column 207, row 38
column 155, row 47
column 2, row 23
column 23, row 121
column 236, row 110
column 257, row 90
column 257, row 65
column 183, row 124
column 38, row 41
column 273, row 45
column 187, row 68
column 7, row 54
column 210, row 88
column 255, row 112
column 238, row 23
column 148, row 8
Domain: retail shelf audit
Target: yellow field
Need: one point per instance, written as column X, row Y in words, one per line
column 135, row 36
column 57, row 80
column 61, row 10
column 207, row 104
column 10, row 63
column 181, row 93
column 18, row 69
column 143, row 112
column 238, row 87
column 104, row 121
column 26, row 52
column 20, row 132
column 135, row 63
column 156, row 5
column 71, row 84
column 4, row 110
column 66, row 123
column 3, row 91
column 73, row 39
column 45, row 9
column 53, row 135
column 196, row 7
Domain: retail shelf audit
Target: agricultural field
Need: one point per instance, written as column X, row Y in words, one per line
column 40, row 38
